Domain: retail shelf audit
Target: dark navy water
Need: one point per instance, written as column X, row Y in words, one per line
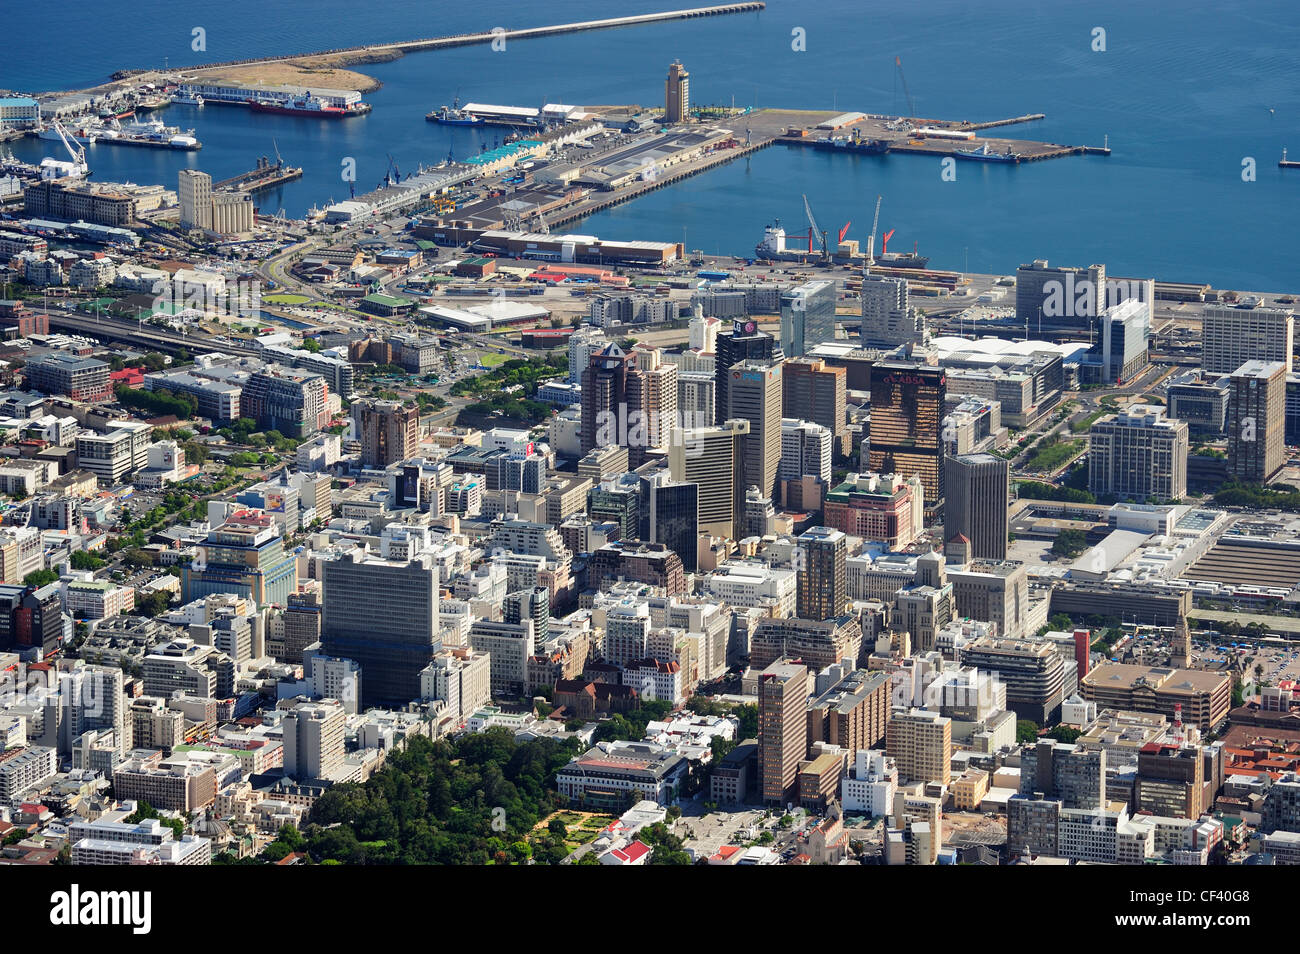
column 1185, row 92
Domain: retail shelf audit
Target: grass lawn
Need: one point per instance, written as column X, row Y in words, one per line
column 286, row 299
column 1053, row 455
column 492, row 360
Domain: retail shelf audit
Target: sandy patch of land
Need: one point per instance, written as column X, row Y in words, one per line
column 306, row 71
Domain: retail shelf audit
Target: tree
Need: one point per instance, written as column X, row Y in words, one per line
column 40, row 578
column 85, row 560
column 1069, row 543
column 1026, row 731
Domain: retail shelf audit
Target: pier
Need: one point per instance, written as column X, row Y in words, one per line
column 267, row 175
column 382, row 52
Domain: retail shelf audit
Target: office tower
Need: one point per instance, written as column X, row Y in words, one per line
column 907, row 424
column 461, row 678
column 619, row 501
column 651, row 403
column 820, row 563
column 815, row 391
column 993, row 591
column 604, row 399
column 508, row 647
column 782, row 728
column 1256, row 421
column 696, row 398
column 384, row 615
column 920, row 743
column 1032, row 670
column 533, row 603
column 671, row 515
column 1060, row 296
column 1201, row 400
column 194, row 195
column 300, row 625
column 1070, row 774
column 1231, row 336
column 389, row 431
column 754, row 395
column 744, row 342
column 245, row 555
column 853, row 712
column 807, row 317
column 519, row 470
column 888, row 320
column 1169, row 781
column 1119, row 350
column 977, row 488
column 92, row 699
column 584, row 342
column 31, row 617
column 677, row 94
column 313, row 739
column 1141, row 454
column 710, row 457
column 805, row 450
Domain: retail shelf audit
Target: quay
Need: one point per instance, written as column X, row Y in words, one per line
column 1285, row 163
column 267, row 175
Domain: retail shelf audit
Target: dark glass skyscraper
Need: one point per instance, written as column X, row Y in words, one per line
column 907, row 424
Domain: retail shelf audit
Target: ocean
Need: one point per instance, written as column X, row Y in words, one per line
column 1186, row 93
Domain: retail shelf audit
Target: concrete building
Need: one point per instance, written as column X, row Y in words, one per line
column 816, row 391
column 194, row 192
column 978, row 490
column 754, row 394
column 313, row 740
column 884, row 507
column 782, row 728
column 820, row 565
column 888, row 320
column 1033, row 672
column 389, row 431
column 1231, row 336
column 711, row 459
column 677, row 94
column 1257, row 421
column 920, row 743
column 805, row 450
column 1141, row 454
column 906, row 436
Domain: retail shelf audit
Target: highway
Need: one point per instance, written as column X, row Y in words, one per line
column 105, row 328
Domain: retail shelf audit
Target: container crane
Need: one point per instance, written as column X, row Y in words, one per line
column 812, row 222
column 871, row 239
column 911, row 107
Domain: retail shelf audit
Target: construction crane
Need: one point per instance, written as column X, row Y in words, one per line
column 911, row 107
column 812, row 222
column 542, row 225
column 871, row 239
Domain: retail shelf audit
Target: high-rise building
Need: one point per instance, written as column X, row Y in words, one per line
column 976, row 507
column 697, row 398
column 604, row 398
column 1170, row 781
column 392, row 646
column 1058, row 295
column 584, row 342
column 1231, row 336
column 313, row 739
column 820, row 564
column 1257, row 420
column 907, row 424
column 1119, row 350
column 805, row 450
column 651, row 402
column 1142, row 454
column 245, row 555
column 389, row 431
column 61, row 372
column 782, row 728
column 1070, row 774
column 533, row 603
column 677, row 94
column 920, row 743
column 754, row 394
column 300, row 624
column 1032, row 670
column 282, row 399
column 670, row 514
column 711, row 458
column 807, row 317
column 744, row 342
column 888, row 320
column 194, row 195
column 815, row 391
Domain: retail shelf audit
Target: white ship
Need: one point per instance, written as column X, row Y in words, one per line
column 85, row 135
column 187, row 99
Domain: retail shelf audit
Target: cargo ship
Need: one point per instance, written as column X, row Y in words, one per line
column 307, row 105
column 985, row 154
column 901, row 260
column 774, row 249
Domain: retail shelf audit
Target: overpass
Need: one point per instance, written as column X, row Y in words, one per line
column 128, row 332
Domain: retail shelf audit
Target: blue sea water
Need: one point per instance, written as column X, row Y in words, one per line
column 1186, row 93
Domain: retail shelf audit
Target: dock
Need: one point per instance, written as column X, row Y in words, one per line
column 1285, row 163
column 267, row 175
column 940, row 137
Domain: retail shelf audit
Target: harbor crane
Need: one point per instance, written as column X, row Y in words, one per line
column 911, row 107
column 815, row 229
column 871, row 239
column 542, row 225
column 76, row 169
